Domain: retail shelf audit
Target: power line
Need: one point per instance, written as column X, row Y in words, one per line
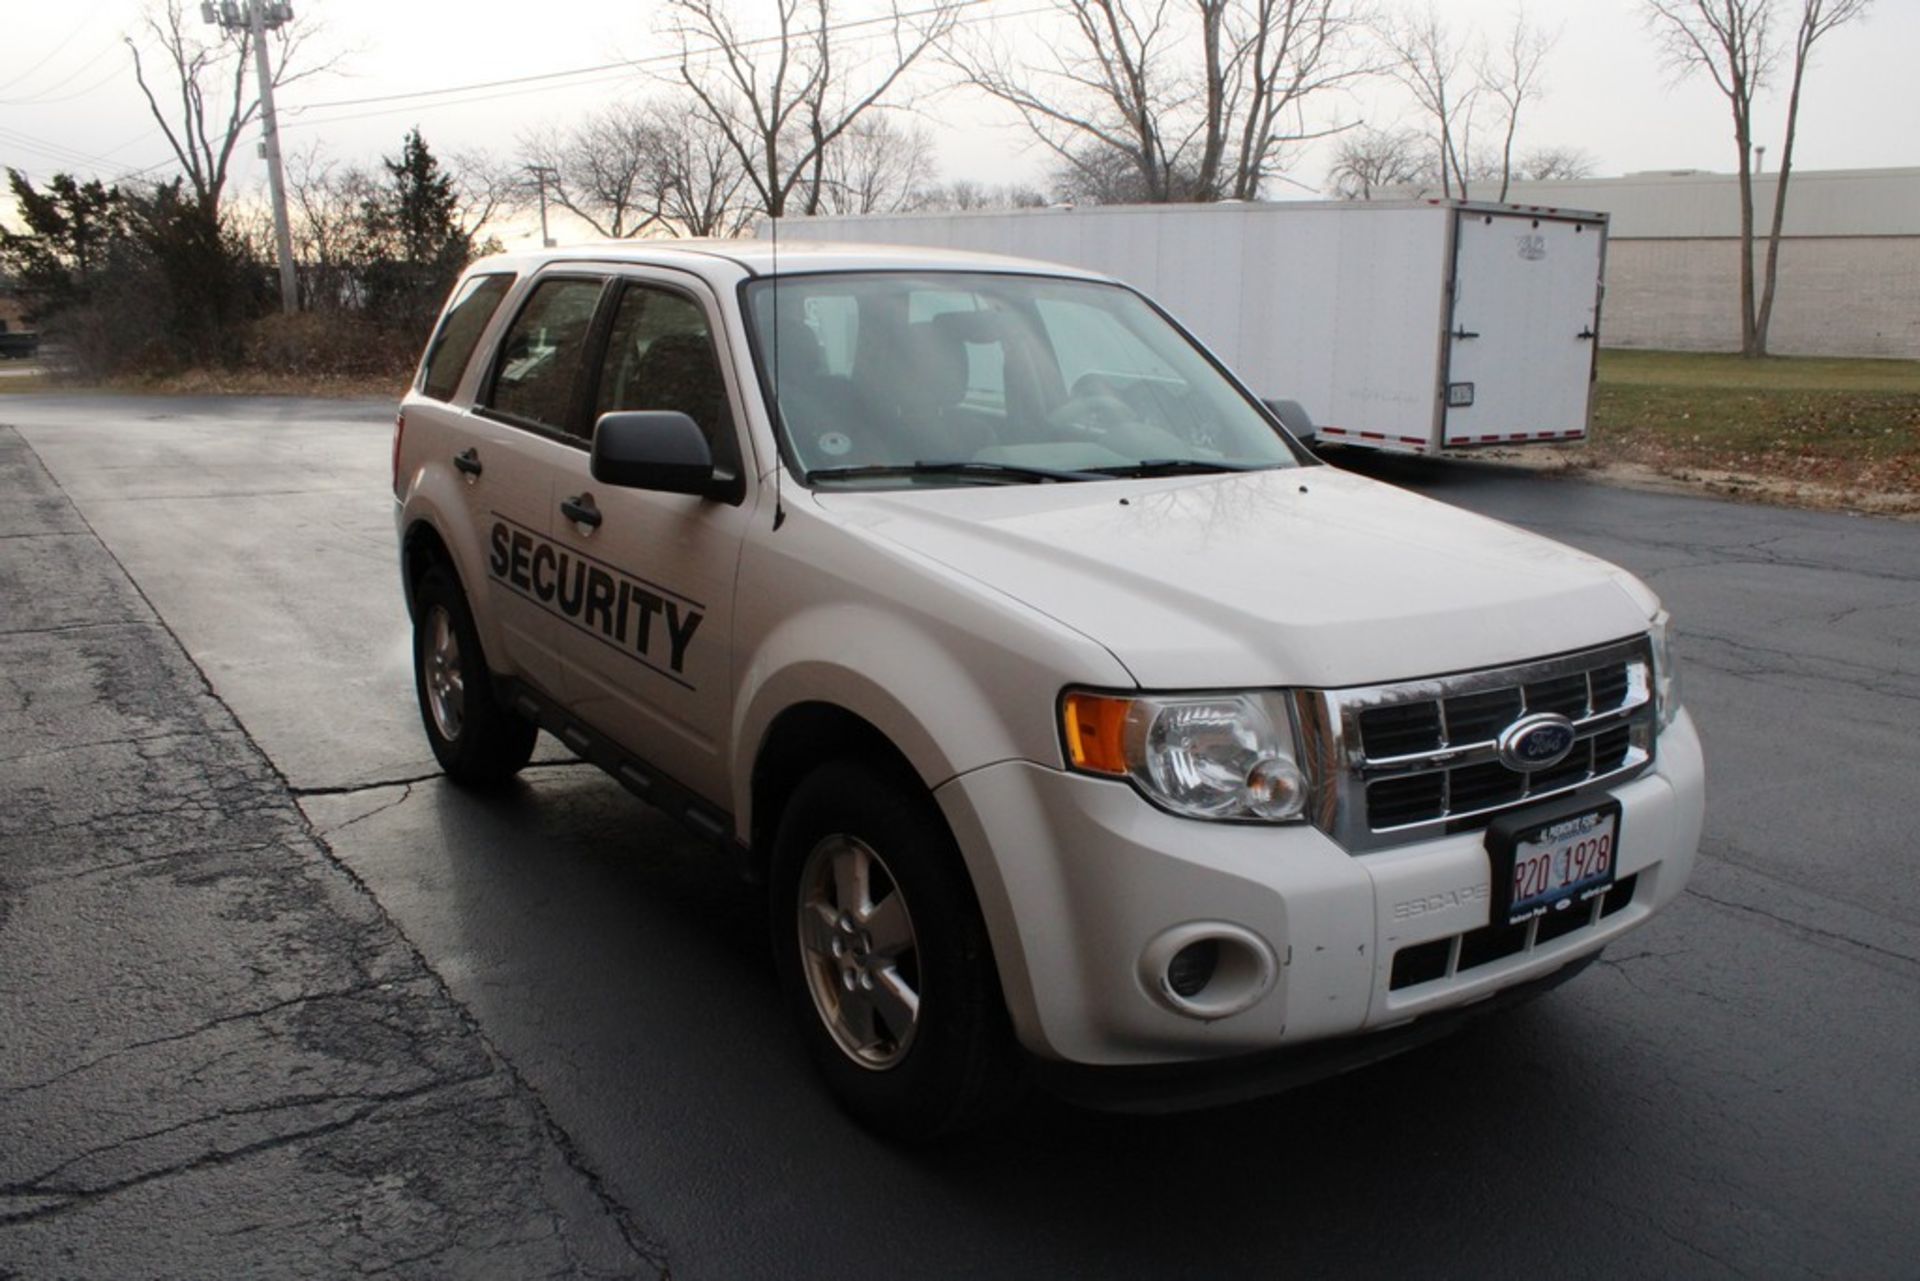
column 452, row 102
column 52, row 150
column 628, row 64
column 78, row 27
column 40, row 98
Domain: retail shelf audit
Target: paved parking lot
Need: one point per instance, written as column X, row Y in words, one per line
column 1728, row 1094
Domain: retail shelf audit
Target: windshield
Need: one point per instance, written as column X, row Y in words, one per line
column 896, row 379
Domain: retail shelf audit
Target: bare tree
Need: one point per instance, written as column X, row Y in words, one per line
column 210, row 80
column 326, row 199
column 1509, row 75
column 964, row 194
column 1548, row 164
column 877, row 167
column 1460, row 85
column 1733, row 42
column 782, row 102
column 600, row 170
column 697, row 180
column 1198, row 99
column 1434, row 66
column 639, row 168
column 1374, row 158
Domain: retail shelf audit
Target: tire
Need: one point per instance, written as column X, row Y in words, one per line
column 884, row 957
column 478, row 742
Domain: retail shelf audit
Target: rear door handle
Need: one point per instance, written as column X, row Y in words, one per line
column 1464, row 332
column 468, row 461
column 580, row 508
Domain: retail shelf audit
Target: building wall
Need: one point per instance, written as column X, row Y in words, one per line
column 1837, row 295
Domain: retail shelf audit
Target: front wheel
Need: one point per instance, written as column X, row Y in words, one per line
column 477, row 741
column 884, row 957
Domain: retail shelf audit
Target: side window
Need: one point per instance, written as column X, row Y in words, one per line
column 459, row 332
column 660, row 356
column 541, row 355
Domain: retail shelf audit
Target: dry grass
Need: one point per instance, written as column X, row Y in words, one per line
column 259, row 382
column 1805, row 432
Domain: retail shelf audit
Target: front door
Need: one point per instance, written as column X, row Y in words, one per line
column 652, row 667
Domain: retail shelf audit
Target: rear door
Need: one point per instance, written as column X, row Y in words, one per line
column 651, row 581
column 1526, row 316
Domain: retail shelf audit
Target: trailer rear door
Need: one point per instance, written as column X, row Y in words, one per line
column 1526, row 316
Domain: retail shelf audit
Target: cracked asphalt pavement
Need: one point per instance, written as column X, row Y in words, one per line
column 276, row 1000
column 218, row 1055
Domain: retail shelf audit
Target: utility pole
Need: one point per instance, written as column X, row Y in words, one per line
column 540, row 175
column 257, row 17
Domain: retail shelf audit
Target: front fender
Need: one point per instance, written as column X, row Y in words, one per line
column 928, row 700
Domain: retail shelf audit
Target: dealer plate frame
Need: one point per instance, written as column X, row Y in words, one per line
column 1509, row 831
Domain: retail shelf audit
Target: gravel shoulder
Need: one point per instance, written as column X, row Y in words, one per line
column 218, row 1055
column 1576, row 463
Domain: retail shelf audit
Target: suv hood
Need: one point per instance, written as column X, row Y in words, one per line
column 1298, row 577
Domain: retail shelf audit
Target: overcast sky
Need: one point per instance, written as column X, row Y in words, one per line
column 68, row 102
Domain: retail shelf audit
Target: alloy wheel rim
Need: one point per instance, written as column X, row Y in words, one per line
column 446, row 687
column 859, row 952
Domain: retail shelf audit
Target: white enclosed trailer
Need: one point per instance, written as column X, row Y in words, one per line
column 1412, row 326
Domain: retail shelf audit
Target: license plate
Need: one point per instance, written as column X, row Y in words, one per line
column 1552, row 860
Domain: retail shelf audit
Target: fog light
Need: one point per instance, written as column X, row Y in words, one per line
column 1207, row 969
column 1192, row 967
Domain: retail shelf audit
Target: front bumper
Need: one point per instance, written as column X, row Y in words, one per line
column 1081, row 881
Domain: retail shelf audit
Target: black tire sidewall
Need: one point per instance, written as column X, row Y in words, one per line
column 493, row 743
column 959, row 1065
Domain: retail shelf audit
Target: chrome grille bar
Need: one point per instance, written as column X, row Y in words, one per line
column 1428, row 784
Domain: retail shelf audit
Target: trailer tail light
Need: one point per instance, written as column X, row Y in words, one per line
column 399, row 430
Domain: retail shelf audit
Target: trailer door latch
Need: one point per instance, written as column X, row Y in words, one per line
column 1586, row 335
column 1464, row 332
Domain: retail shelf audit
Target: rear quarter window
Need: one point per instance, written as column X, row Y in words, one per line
column 459, row 333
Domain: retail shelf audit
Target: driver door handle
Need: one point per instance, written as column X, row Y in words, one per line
column 580, row 508
column 468, row 461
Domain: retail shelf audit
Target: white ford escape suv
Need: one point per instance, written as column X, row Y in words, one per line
column 1082, row 727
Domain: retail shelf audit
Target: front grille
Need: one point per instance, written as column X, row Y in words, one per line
column 1414, row 759
column 1445, row 958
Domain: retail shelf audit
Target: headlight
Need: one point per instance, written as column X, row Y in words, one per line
column 1666, row 676
column 1223, row 756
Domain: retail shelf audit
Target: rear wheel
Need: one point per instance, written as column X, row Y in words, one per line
column 476, row 740
column 884, row 957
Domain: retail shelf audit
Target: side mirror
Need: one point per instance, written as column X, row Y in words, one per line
column 1293, row 416
column 659, row 450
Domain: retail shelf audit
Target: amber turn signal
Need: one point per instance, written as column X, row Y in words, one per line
column 1095, row 728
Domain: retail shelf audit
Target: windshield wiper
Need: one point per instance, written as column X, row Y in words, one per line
column 1174, row 466
column 1011, row 473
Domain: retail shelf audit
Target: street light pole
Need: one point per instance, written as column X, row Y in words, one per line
column 259, row 17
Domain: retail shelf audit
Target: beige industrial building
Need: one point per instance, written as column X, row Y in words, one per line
column 1849, row 259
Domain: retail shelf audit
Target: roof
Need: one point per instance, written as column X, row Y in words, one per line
column 789, row 257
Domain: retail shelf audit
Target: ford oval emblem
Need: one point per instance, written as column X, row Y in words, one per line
column 1536, row 742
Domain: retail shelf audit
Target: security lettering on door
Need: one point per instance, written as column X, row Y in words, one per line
column 646, row 622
